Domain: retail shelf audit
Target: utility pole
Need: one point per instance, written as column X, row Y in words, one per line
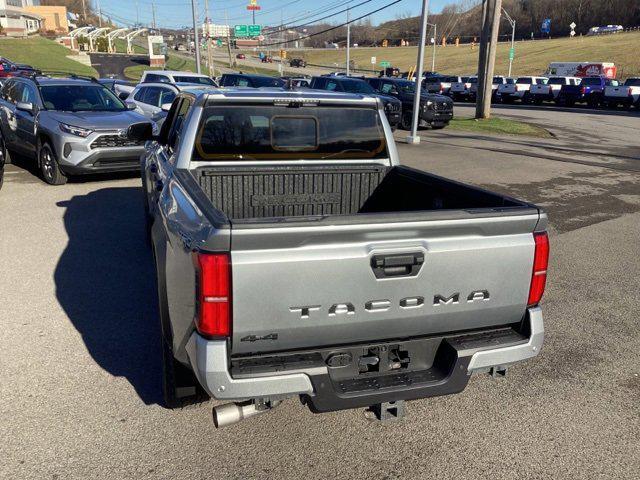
column 196, row 39
column 513, row 38
column 348, row 42
column 435, row 41
column 226, row 22
column 153, row 12
column 207, row 21
column 99, row 15
column 487, row 56
column 84, row 12
column 137, row 14
column 414, row 138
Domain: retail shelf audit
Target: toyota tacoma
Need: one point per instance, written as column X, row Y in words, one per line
column 296, row 257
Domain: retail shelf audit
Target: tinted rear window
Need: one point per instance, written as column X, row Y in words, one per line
column 268, row 82
column 632, row 82
column 255, row 132
column 557, row 81
column 524, row 81
column 591, row 81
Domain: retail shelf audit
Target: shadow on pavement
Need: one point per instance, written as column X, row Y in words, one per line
column 105, row 282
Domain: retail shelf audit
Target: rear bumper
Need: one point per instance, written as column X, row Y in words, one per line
column 440, row 366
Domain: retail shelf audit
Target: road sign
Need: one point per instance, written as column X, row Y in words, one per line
column 546, row 25
column 241, row 31
column 373, row 60
column 255, row 30
column 219, row 42
column 385, row 64
column 572, row 25
column 572, row 33
column 512, row 53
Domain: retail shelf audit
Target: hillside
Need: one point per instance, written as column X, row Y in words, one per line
column 42, row 54
column 532, row 57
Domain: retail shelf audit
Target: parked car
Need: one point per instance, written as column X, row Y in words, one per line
column 68, row 126
column 627, row 94
column 172, row 76
column 392, row 106
column 508, row 92
column 251, row 81
column 296, row 257
column 589, row 91
column 462, row 89
column 297, row 63
column 440, row 84
column 495, row 84
column 548, row 92
column 9, row 69
column 267, row 59
column 335, row 74
column 436, row 111
column 122, row 88
column 297, row 82
column 241, row 56
column 149, row 99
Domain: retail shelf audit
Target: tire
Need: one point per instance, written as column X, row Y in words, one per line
column 537, row 101
column 526, row 99
column 48, row 164
column 180, row 387
column 5, row 152
column 405, row 121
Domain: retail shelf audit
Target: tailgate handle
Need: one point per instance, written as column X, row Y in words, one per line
column 397, row 265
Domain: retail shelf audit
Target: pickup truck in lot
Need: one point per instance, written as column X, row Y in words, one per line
column 296, row 257
column 520, row 90
column 549, row 91
column 590, row 91
column 459, row 91
column 627, row 94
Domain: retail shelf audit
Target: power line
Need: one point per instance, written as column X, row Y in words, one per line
column 335, row 27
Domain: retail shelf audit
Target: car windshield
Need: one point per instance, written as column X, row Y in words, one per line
column 197, row 80
column 258, row 132
column 356, row 86
column 80, row 98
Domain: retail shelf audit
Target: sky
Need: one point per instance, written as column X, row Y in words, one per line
column 177, row 13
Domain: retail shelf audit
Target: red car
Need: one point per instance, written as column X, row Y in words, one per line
column 267, row 59
column 10, row 69
column 240, row 56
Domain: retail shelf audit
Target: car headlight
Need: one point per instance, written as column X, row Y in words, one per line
column 429, row 103
column 77, row 131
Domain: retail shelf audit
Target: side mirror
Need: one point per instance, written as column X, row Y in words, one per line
column 140, row 132
column 166, row 107
column 26, row 107
column 131, row 105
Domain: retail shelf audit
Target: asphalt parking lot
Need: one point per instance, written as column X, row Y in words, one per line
column 80, row 360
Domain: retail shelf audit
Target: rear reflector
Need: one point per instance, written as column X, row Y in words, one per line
column 540, row 263
column 213, row 294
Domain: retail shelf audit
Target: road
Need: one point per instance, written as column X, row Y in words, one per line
column 114, row 65
column 80, row 360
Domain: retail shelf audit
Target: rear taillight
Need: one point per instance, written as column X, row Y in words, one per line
column 213, row 287
column 583, row 90
column 540, row 263
column 629, row 90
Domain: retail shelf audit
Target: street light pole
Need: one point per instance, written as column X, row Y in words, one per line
column 414, row 138
column 196, row 39
column 348, row 42
column 513, row 38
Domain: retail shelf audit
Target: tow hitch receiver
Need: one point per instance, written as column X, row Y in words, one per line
column 388, row 411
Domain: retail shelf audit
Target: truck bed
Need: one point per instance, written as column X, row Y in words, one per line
column 244, row 194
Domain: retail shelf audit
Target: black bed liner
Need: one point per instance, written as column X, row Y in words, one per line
column 301, row 191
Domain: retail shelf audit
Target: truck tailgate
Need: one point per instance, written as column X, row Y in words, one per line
column 324, row 284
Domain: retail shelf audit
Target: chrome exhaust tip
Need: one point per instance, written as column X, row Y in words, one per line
column 231, row 413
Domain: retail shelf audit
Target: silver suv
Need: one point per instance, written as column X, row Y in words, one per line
column 69, row 126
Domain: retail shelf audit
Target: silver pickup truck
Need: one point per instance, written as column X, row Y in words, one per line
column 296, row 257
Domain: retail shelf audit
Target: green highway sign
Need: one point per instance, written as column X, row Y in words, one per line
column 512, row 53
column 219, row 42
column 255, row 30
column 385, row 64
column 241, row 30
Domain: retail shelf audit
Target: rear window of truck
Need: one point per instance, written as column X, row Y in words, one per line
column 258, row 132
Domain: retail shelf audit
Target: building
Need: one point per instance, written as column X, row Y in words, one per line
column 54, row 19
column 16, row 21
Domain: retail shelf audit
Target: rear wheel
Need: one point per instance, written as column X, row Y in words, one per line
column 49, row 168
column 405, row 121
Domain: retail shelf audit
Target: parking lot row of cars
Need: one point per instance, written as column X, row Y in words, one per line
column 595, row 91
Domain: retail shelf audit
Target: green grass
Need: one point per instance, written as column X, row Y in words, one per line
column 532, row 57
column 499, row 126
column 42, row 54
column 121, row 47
